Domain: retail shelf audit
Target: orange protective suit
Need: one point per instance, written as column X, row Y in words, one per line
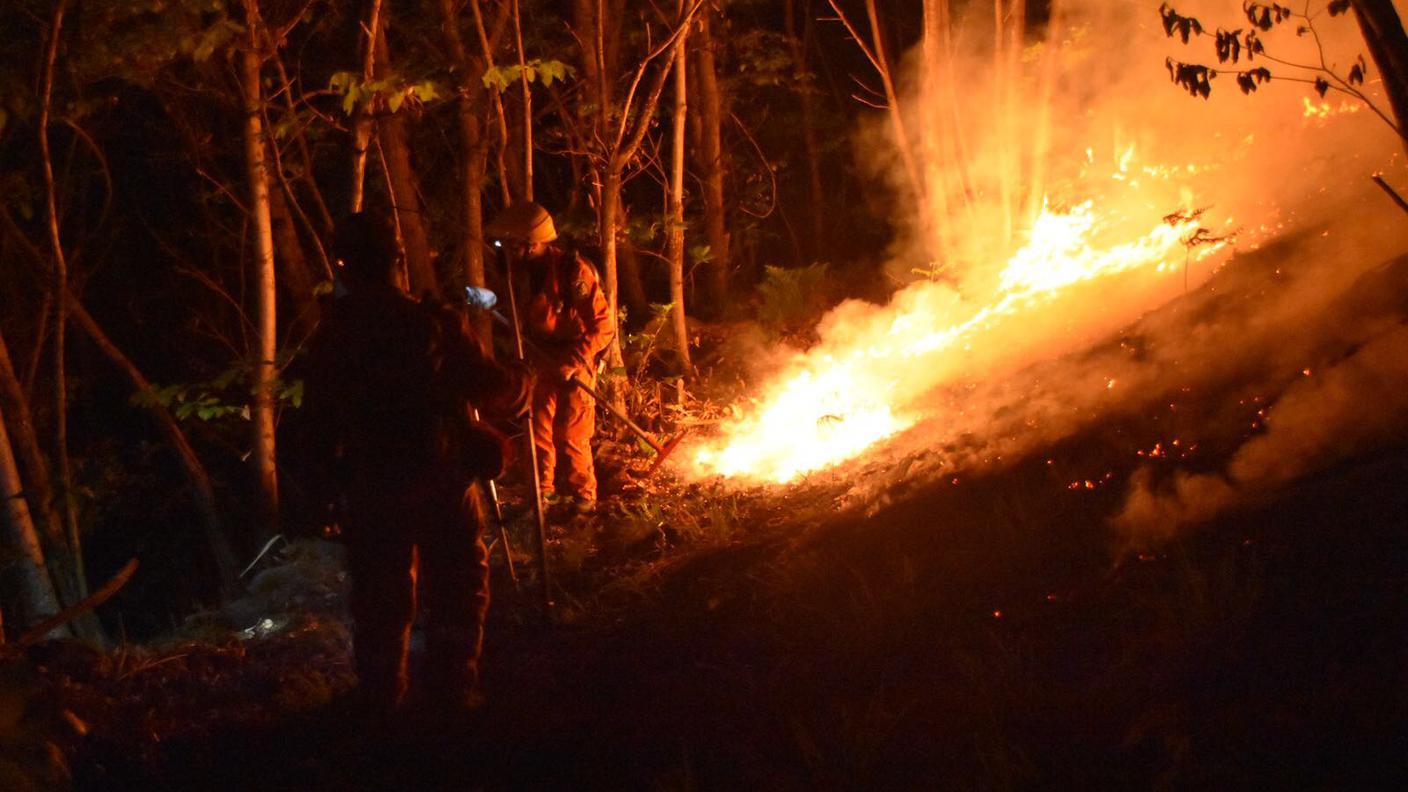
column 569, row 320
column 388, row 380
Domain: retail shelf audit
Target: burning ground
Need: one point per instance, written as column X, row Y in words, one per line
column 1098, row 504
column 1193, row 577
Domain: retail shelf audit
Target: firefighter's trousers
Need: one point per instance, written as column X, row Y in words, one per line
column 564, row 420
column 423, row 531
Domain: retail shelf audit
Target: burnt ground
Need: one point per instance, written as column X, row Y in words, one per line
column 930, row 645
column 989, row 633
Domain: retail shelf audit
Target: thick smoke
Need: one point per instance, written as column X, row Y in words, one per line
column 1353, row 406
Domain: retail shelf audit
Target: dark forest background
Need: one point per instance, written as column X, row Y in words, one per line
column 145, row 107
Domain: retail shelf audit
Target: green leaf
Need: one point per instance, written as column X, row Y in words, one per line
column 499, row 77
column 553, row 70
column 426, row 91
column 393, row 103
column 341, row 81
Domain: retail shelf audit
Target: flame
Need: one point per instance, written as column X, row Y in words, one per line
column 1322, row 110
column 854, row 389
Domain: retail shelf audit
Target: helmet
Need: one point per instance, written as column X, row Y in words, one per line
column 526, row 222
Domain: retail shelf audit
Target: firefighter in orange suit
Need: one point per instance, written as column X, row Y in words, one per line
column 389, row 382
column 568, row 320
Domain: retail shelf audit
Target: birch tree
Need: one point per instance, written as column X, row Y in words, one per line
column 674, row 221
column 266, row 350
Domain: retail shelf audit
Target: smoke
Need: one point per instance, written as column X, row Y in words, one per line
column 1084, row 109
column 1040, row 177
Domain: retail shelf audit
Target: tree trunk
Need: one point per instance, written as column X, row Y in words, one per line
column 26, row 439
column 618, row 149
column 265, row 373
column 73, row 581
column 674, row 240
column 487, row 50
column 632, row 290
column 39, row 496
column 805, row 97
column 196, row 475
column 36, row 591
column 527, row 106
column 712, row 161
column 473, row 154
column 607, row 218
column 362, row 121
column 606, row 227
column 68, row 506
column 293, row 266
column 392, row 134
column 1388, row 46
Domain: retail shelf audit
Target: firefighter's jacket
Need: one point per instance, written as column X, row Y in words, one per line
column 567, row 314
column 389, row 382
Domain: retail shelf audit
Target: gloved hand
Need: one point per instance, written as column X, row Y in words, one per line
column 567, row 371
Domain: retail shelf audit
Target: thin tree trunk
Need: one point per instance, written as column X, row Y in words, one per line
column 293, row 265
column 892, row 102
column 36, row 591
column 712, row 157
column 674, row 241
column 475, row 168
column 621, row 149
column 60, row 290
column 305, row 156
column 26, row 439
column 527, row 106
column 607, row 214
column 606, row 228
column 392, row 133
column 196, row 475
column 500, row 161
column 1388, row 46
column 810, row 148
column 473, row 154
column 14, row 406
column 632, row 288
column 362, row 121
column 265, row 372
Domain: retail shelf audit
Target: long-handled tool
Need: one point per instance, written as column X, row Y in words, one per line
column 545, row 583
column 502, row 538
column 484, row 299
column 662, row 450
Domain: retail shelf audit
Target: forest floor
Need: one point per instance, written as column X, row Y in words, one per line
column 984, row 629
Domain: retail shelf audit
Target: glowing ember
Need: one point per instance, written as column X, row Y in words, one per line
column 859, row 387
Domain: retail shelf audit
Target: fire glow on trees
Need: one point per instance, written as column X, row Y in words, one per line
column 1038, row 248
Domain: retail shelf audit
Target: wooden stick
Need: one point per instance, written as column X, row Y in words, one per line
column 1392, row 193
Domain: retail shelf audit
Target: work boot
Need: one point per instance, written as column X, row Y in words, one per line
column 582, row 507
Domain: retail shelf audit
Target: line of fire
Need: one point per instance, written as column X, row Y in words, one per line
column 703, row 394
